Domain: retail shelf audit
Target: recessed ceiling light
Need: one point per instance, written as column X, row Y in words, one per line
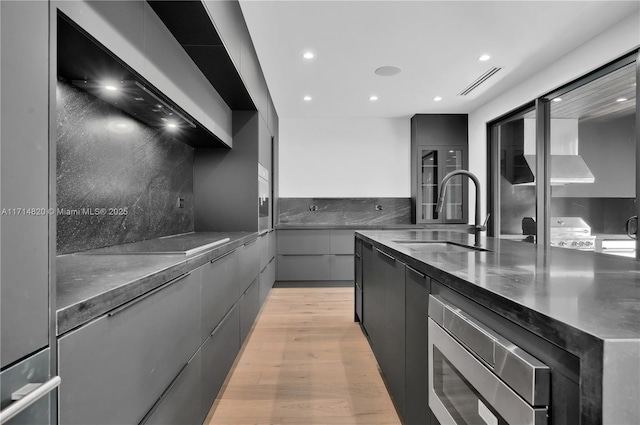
column 172, row 125
column 622, row 99
column 307, row 98
column 437, row 99
column 388, row 71
column 111, row 88
column 373, row 98
column 484, row 58
column 308, row 55
column 557, row 99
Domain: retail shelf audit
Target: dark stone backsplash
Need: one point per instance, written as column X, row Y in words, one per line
column 344, row 211
column 109, row 163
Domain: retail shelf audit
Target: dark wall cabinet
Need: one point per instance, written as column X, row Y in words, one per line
column 417, row 291
column 438, row 146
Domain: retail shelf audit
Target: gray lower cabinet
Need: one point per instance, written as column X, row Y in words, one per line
column 267, row 279
column 303, row 267
column 383, row 302
column 341, row 267
column 249, row 264
column 249, row 308
column 416, row 358
column 218, row 354
column 220, row 290
column 304, row 241
column 181, row 403
column 315, row 255
column 116, row 367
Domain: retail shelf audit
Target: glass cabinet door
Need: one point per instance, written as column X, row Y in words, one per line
column 453, row 208
column 435, row 163
column 429, row 181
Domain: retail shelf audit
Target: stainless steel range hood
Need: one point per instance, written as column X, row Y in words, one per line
column 566, row 165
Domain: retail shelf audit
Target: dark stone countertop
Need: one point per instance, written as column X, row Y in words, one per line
column 89, row 286
column 596, row 294
column 584, row 302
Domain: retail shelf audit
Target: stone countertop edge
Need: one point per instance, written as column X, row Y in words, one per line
column 74, row 314
column 302, row 226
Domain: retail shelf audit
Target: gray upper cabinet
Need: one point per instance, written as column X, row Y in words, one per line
column 116, row 367
column 24, row 224
column 438, row 146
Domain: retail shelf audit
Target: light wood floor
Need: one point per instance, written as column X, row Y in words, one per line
column 305, row 362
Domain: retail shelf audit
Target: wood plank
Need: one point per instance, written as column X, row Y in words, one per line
column 305, row 362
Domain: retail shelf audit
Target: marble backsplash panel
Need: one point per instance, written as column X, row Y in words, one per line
column 345, row 211
column 118, row 180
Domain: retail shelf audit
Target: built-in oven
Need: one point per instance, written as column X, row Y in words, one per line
column 264, row 210
column 477, row 376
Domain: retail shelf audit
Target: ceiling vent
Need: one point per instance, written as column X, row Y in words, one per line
column 481, row 79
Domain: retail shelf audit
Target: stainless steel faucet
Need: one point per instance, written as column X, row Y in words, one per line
column 443, row 190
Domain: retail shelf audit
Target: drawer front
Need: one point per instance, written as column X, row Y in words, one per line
column 249, row 308
column 182, row 403
column 303, row 241
column 249, row 264
column 342, row 241
column 33, row 370
column 342, row 267
column 218, row 354
column 115, row 368
column 303, row 267
column 267, row 279
column 273, row 241
column 263, row 249
column 220, row 291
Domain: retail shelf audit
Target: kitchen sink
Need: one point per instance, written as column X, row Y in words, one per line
column 439, row 246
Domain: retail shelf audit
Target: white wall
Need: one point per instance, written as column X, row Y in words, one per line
column 340, row 157
column 605, row 47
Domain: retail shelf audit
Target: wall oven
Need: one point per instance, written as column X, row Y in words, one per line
column 477, row 376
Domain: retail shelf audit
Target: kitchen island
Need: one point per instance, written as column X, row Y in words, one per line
column 577, row 311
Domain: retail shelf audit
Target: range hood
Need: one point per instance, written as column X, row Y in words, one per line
column 138, row 101
column 566, row 165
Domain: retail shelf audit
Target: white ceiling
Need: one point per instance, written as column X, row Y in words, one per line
column 436, row 43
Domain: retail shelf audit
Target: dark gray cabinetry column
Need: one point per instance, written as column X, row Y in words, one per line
column 383, row 304
column 416, row 355
column 25, row 179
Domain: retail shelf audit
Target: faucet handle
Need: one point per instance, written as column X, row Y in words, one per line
column 483, row 227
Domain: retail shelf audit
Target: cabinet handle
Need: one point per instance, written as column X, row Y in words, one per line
column 250, row 242
column 145, row 296
column 386, row 255
column 26, row 400
column 223, row 255
column 422, row 275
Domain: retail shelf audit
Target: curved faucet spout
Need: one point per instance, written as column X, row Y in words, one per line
column 443, row 186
